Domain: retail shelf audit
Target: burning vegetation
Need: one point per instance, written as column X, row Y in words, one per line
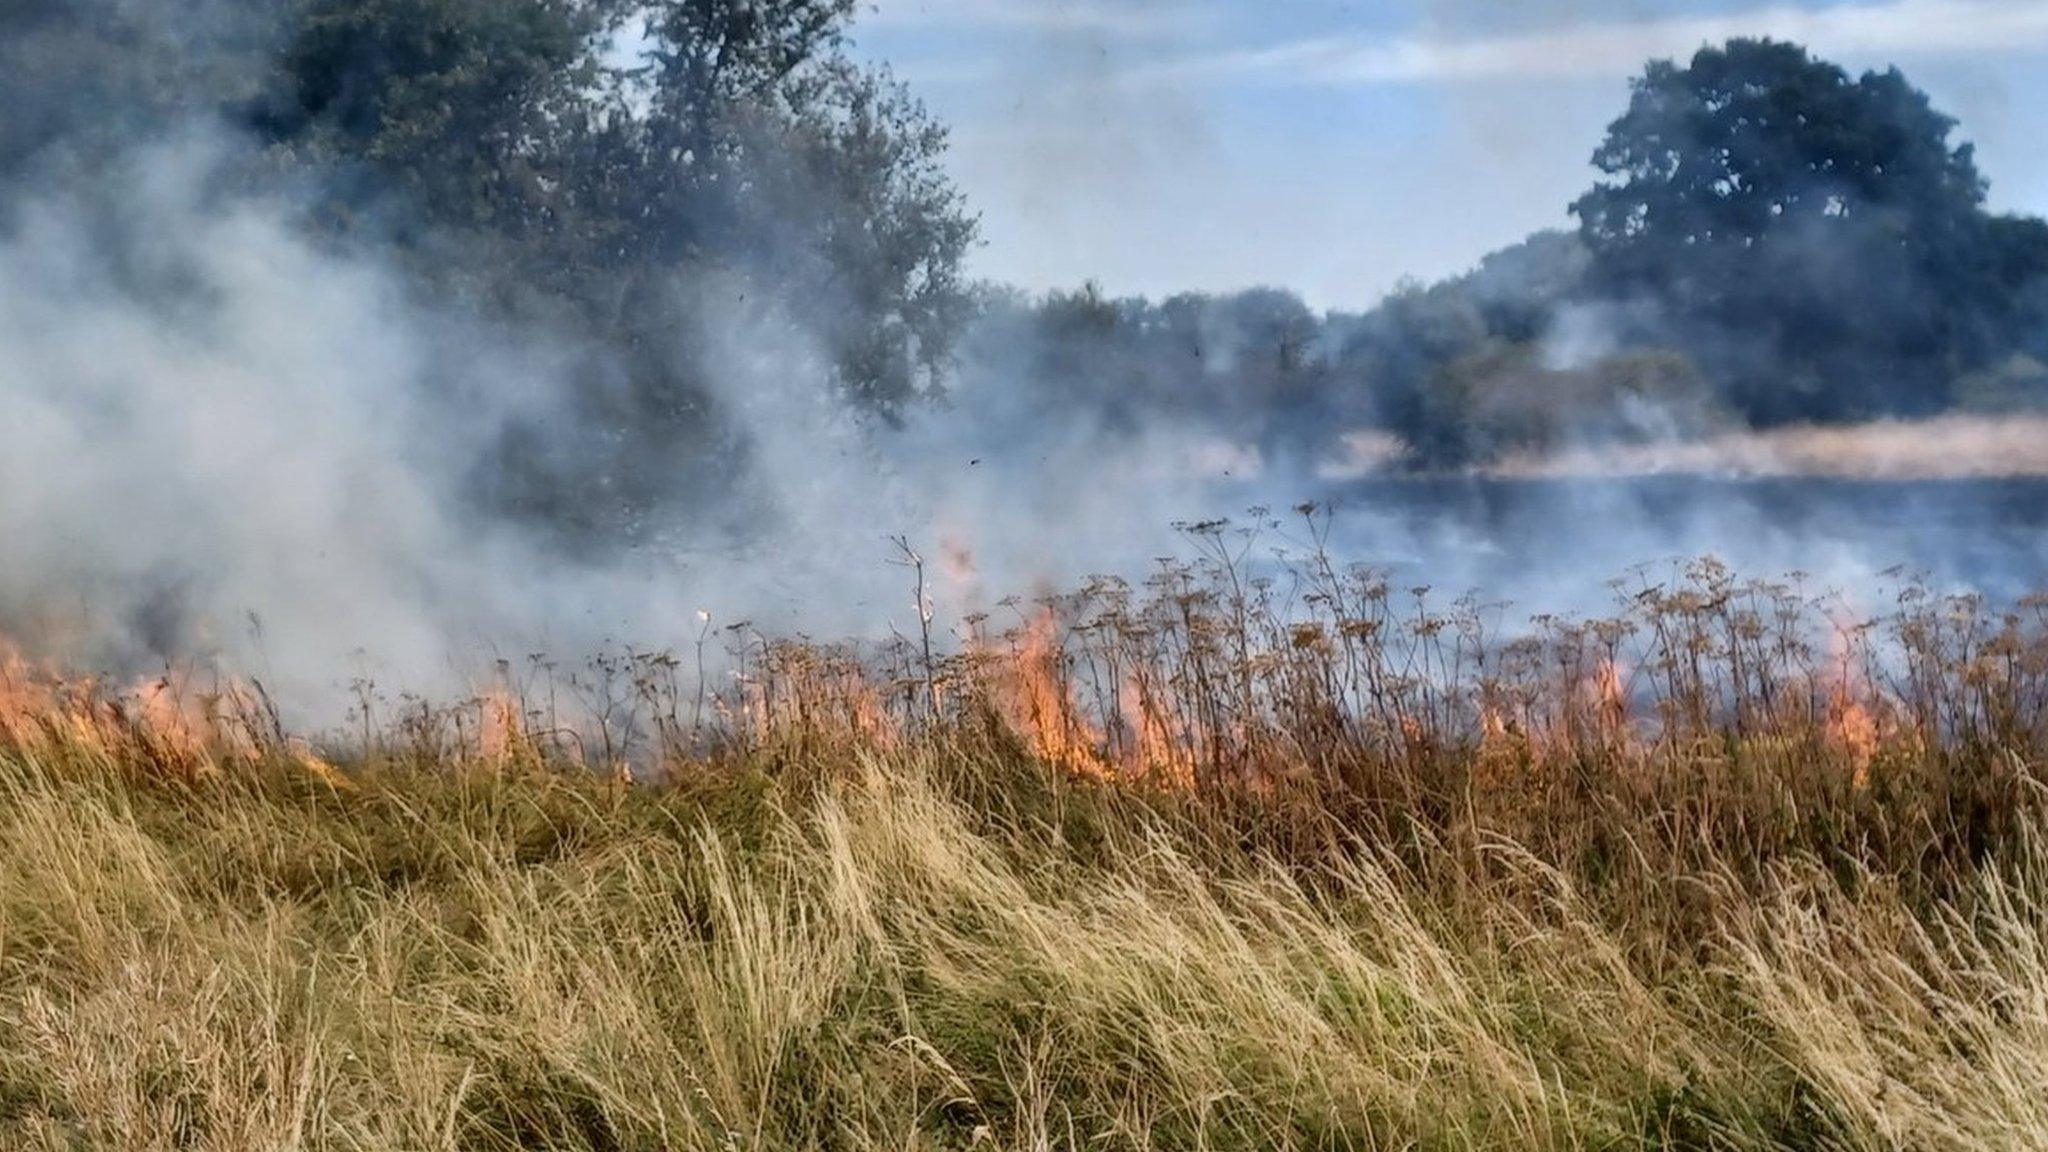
column 391, row 326
column 1242, row 671
column 1261, row 853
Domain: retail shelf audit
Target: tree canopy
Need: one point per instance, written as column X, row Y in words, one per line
column 739, row 136
column 1771, row 238
column 622, row 174
column 1820, row 239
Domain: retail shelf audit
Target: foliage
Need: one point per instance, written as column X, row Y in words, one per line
column 635, row 181
column 742, row 141
column 1456, row 369
column 1819, row 239
column 1775, row 241
column 79, row 78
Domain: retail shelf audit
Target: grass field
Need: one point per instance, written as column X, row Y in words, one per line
column 1204, row 866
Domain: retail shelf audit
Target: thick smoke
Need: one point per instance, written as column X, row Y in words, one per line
column 223, row 442
column 227, row 444
column 235, row 441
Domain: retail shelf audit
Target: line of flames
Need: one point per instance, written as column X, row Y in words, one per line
column 187, row 728
column 1027, row 684
column 176, row 723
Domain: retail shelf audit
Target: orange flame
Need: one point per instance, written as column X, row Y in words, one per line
column 1851, row 726
column 1854, row 731
column 171, row 723
column 1610, row 695
column 808, row 691
column 1164, row 747
column 1028, row 689
column 500, row 732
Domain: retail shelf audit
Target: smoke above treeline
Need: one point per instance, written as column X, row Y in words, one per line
column 384, row 339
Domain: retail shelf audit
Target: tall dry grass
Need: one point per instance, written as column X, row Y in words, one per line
column 1254, row 858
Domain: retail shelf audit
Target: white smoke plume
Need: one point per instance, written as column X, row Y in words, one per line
column 223, row 443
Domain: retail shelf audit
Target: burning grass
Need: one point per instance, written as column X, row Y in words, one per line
column 1258, row 855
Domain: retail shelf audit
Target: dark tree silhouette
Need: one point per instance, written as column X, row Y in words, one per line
column 1820, row 239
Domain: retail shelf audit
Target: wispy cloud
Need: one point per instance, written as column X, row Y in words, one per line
column 1086, row 17
column 1897, row 28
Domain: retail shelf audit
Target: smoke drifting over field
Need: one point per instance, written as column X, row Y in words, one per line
column 225, row 444
column 410, row 444
column 222, row 441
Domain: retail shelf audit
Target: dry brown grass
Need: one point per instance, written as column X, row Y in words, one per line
column 1230, row 863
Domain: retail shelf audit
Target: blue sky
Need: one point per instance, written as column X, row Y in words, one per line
column 1338, row 146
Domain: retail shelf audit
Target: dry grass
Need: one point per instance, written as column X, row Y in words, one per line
column 1217, row 867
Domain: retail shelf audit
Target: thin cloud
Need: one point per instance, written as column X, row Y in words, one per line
column 1136, row 18
column 1598, row 50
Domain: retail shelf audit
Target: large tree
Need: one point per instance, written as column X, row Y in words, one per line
column 628, row 172
column 1819, row 238
column 739, row 137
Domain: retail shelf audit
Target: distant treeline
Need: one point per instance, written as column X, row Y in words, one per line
column 1773, row 240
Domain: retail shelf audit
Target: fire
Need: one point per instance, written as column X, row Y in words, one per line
column 866, row 715
column 27, row 701
column 500, row 732
column 1493, row 723
column 1026, row 684
column 1164, row 747
column 807, row 691
column 1503, row 746
column 182, row 726
column 1039, row 705
column 1604, row 698
column 178, row 724
column 1851, row 726
column 1854, row 731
